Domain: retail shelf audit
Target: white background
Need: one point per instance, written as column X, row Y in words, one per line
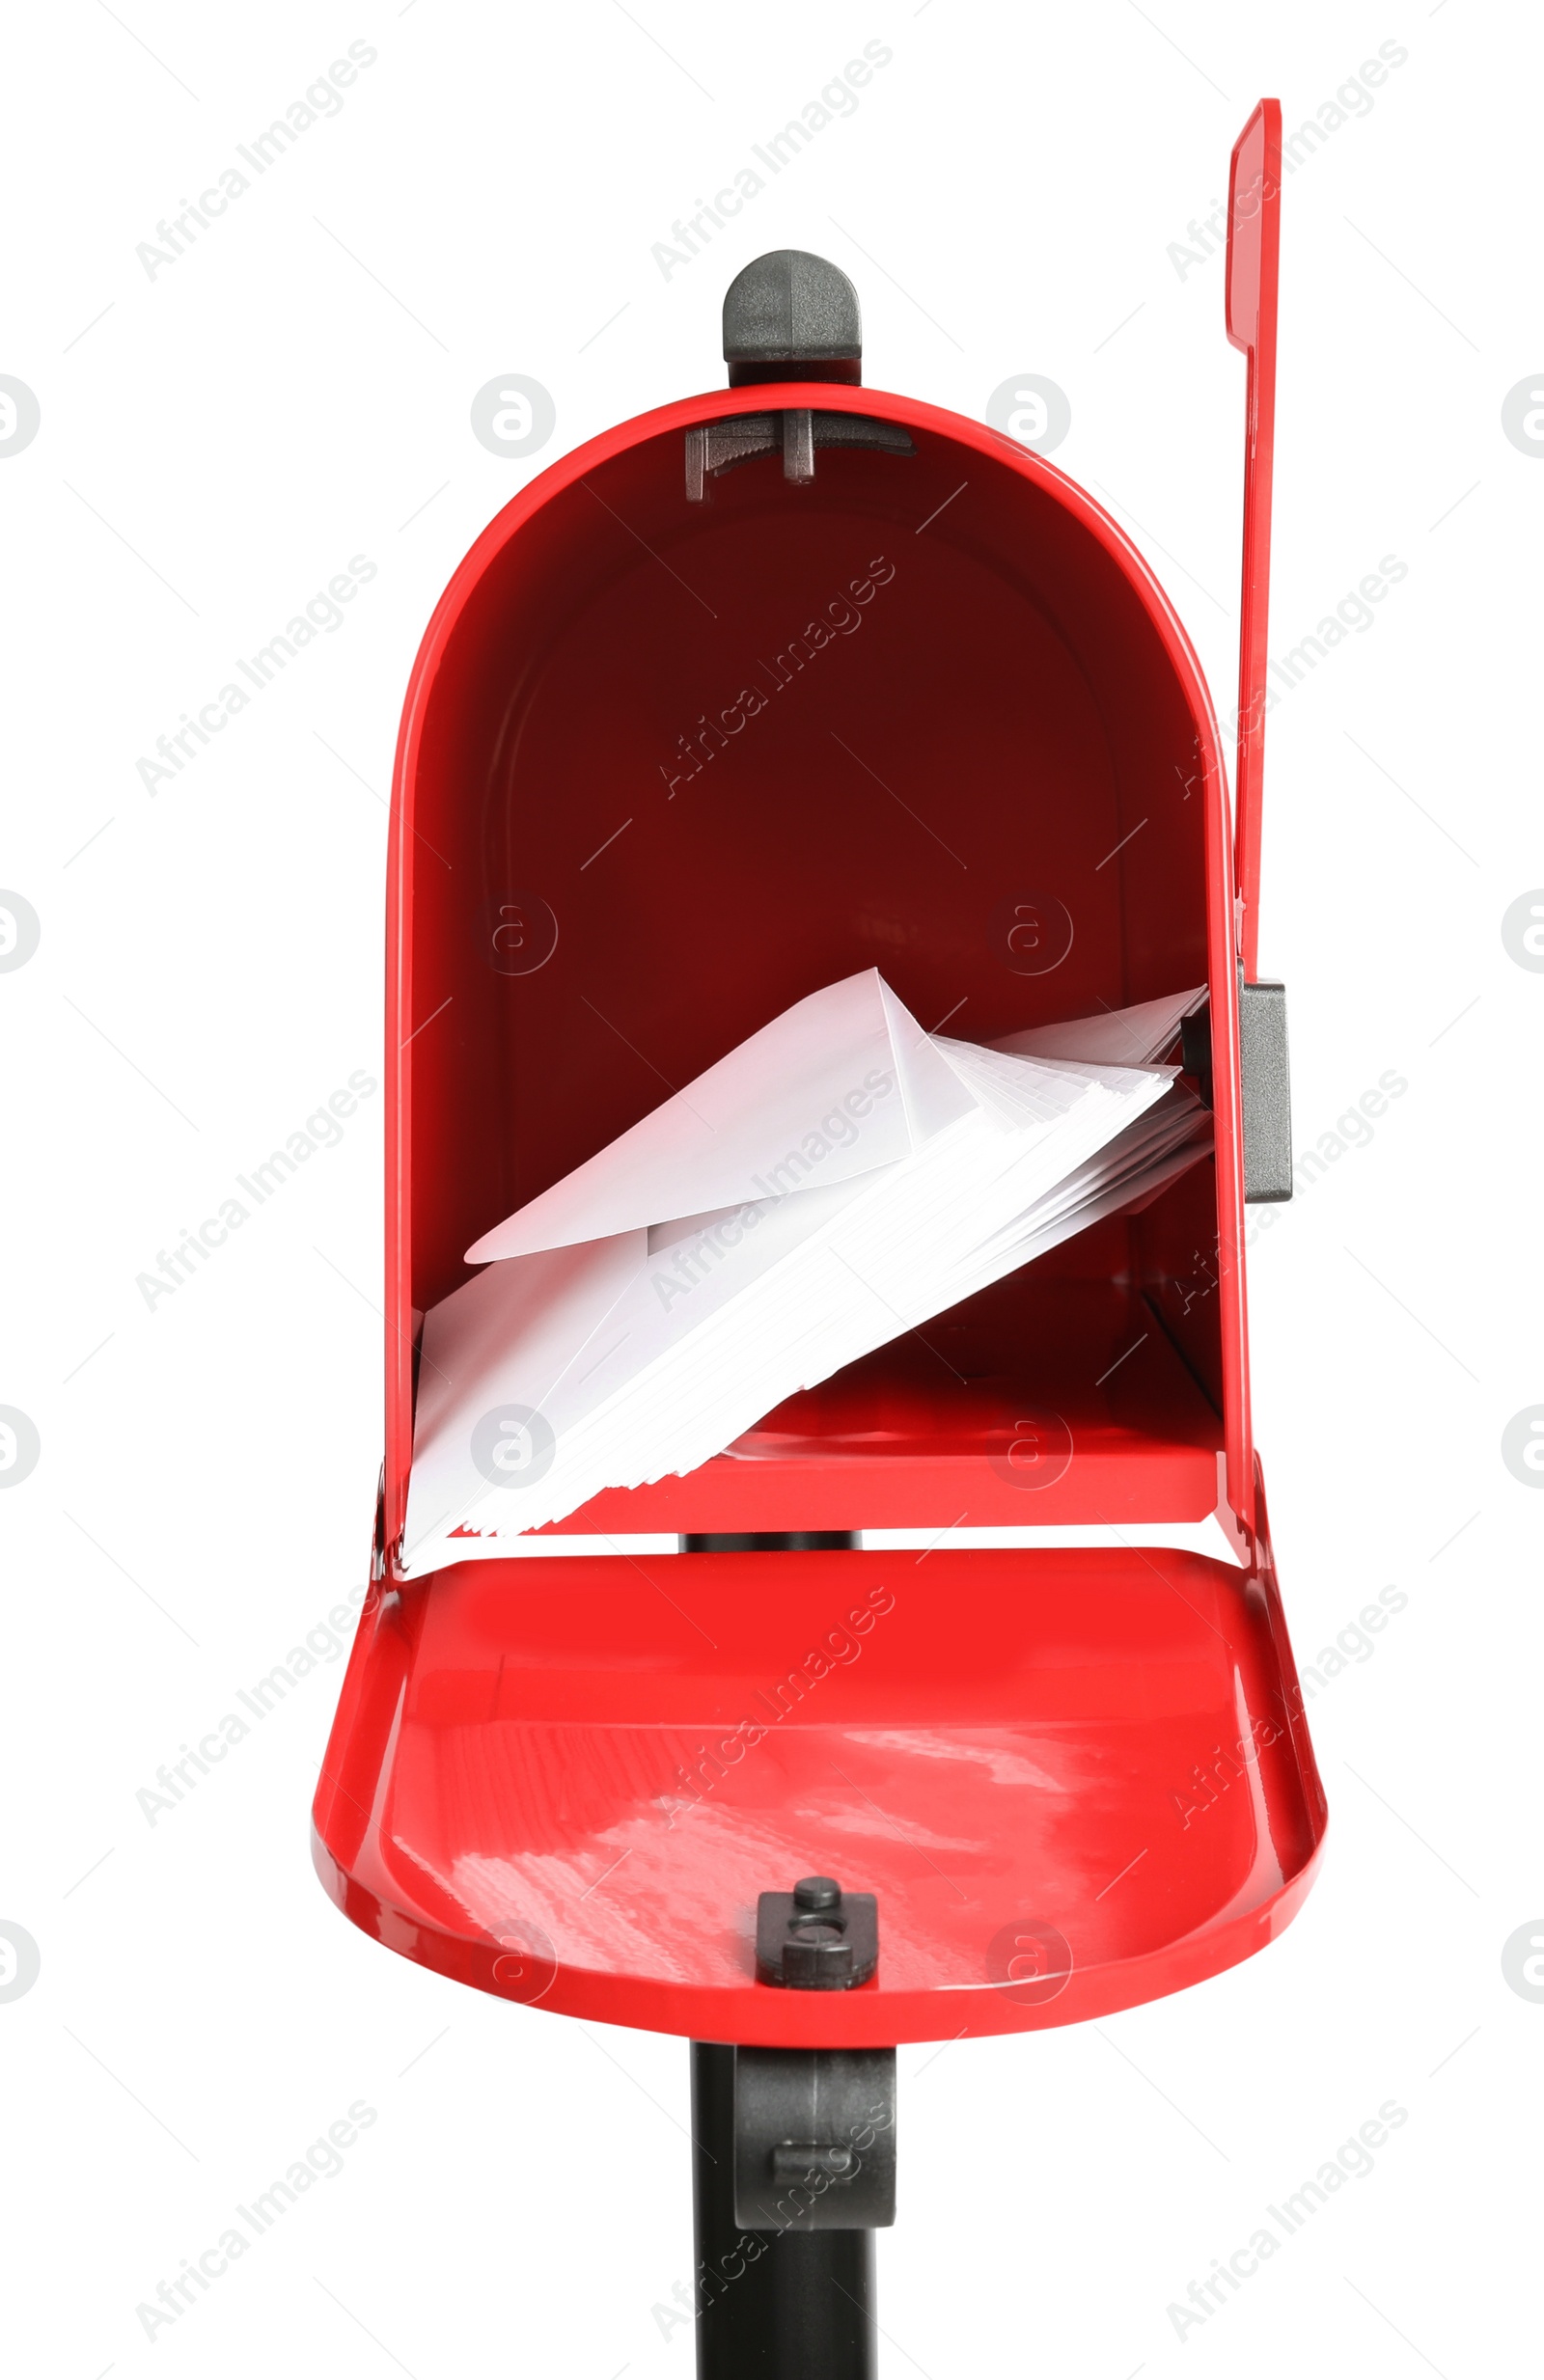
column 215, row 446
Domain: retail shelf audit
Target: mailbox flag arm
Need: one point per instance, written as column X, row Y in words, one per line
column 1253, row 245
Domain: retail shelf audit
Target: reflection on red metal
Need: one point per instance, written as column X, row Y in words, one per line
column 1254, row 247
column 666, row 767
column 1075, row 1780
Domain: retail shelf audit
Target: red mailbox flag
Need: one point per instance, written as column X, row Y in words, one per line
column 1254, row 244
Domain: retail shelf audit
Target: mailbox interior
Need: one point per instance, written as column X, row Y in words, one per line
column 733, row 750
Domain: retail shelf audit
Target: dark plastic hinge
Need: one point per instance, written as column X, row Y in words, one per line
column 1265, row 1082
column 1267, row 1085
column 715, row 447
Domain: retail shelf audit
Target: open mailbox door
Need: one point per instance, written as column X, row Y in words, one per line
column 743, row 697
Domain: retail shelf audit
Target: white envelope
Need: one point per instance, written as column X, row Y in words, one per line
column 841, row 1082
column 693, row 1317
column 512, row 1335
column 1118, row 1037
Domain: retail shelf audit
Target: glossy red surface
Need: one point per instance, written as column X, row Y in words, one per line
column 567, row 1782
column 1254, row 250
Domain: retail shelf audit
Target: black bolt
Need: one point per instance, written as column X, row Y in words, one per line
column 816, row 1937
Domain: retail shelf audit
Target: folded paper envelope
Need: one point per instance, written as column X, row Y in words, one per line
column 1120, row 1037
column 841, row 1082
column 644, row 1349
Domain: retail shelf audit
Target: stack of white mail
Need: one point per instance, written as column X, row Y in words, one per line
column 833, row 1183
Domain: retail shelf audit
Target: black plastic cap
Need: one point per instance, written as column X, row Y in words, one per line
column 818, row 1938
column 789, row 315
